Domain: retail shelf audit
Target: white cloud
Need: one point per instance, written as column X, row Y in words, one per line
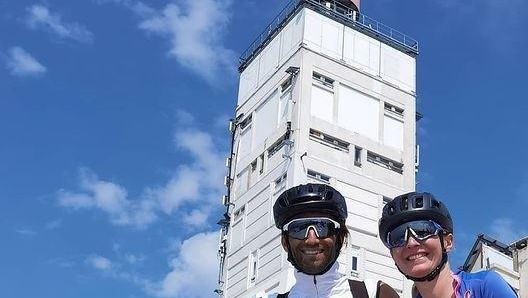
column 193, row 270
column 99, row 262
column 65, row 262
column 506, row 230
column 190, row 193
column 26, row 232
column 53, row 224
column 109, row 198
column 39, row 17
column 197, row 218
column 184, row 118
column 222, row 121
column 134, row 259
column 199, row 183
column 21, row 63
column 137, row 7
column 195, row 31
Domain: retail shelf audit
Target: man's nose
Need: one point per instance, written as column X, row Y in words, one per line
column 312, row 236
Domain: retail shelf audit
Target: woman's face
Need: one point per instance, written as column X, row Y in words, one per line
column 419, row 259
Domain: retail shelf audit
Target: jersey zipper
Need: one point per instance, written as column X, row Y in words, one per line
column 315, row 287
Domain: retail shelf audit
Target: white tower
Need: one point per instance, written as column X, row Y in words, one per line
column 326, row 95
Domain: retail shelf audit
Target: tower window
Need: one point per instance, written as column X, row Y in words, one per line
column 358, row 156
column 253, row 268
column 322, row 80
column 286, row 84
column 355, row 262
column 328, row 140
column 385, row 162
column 244, row 123
column 261, row 159
column 280, row 183
column 239, row 213
column 275, row 147
column 394, row 110
column 318, row 176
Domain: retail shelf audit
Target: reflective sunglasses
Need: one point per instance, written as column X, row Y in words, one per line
column 420, row 230
column 322, row 226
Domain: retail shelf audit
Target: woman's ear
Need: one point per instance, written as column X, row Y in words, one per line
column 448, row 242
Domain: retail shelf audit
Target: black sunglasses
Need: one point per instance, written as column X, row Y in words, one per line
column 322, row 226
column 420, row 230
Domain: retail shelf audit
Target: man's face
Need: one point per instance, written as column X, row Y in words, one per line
column 313, row 254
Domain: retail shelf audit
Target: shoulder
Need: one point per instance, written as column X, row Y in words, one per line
column 488, row 283
column 482, row 276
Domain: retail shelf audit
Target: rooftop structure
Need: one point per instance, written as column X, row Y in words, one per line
column 343, row 11
column 509, row 260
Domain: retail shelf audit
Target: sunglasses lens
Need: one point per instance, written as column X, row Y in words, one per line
column 419, row 230
column 323, row 227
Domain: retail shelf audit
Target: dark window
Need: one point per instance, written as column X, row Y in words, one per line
column 357, row 156
column 385, row 162
column 328, row 140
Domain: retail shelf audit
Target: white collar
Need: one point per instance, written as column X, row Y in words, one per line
column 330, row 284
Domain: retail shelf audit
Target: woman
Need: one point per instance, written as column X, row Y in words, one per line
column 418, row 230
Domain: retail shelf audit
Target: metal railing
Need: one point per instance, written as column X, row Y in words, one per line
column 338, row 12
column 265, row 37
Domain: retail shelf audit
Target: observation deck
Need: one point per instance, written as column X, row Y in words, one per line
column 339, row 12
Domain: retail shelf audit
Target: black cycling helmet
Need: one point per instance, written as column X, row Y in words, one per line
column 309, row 197
column 413, row 206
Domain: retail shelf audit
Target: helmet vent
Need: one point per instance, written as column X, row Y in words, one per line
column 418, row 202
column 405, row 205
column 436, row 204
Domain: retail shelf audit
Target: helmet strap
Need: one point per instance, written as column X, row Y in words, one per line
column 434, row 273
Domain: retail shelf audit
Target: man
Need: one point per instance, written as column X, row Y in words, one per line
column 312, row 220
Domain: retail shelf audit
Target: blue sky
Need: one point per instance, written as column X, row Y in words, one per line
column 113, row 120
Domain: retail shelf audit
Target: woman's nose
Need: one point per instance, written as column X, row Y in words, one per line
column 412, row 242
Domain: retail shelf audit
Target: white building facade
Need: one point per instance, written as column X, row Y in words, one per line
column 510, row 261
column 326, row 95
